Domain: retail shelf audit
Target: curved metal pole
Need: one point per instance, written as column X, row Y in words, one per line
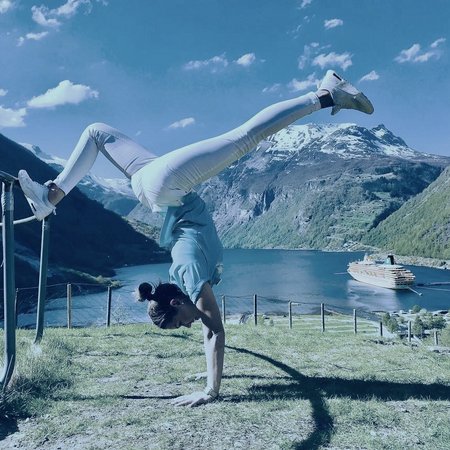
column 7, row 224
column 8, row 178
column 8, row 282
column 42, row 293
column 13, row 181
column 17, row 222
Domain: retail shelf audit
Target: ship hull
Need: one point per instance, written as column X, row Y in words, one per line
column 390, row 276
column 380, row 282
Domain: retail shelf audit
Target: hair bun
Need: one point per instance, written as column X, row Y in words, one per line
column 145, row 292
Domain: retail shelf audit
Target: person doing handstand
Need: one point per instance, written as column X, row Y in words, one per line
column 165, row 183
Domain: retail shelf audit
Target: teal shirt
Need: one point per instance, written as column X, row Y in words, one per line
column 190, row 234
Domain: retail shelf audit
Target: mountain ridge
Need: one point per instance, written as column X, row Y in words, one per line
column 114, row 194
column 319, row 186
column 421, row 226
column 76, row 246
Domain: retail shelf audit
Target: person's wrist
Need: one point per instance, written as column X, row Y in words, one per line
column 211, row 392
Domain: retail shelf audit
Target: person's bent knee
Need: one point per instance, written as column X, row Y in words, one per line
column 96, row 127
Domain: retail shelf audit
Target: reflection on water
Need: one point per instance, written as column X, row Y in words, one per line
column 367, row 297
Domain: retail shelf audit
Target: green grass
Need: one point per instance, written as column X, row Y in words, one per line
column 110, row 388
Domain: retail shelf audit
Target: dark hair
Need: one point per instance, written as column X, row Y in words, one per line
column 159, row 309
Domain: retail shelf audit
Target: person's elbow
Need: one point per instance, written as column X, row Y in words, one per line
column 217, row 336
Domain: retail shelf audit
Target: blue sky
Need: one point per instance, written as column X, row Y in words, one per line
column 171, row 72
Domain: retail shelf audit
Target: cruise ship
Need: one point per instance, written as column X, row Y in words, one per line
column 387, row 274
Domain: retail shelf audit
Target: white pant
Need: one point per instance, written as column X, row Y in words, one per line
column 162, row 181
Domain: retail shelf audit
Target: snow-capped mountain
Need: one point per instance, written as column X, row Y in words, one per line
column 346, row 140
column 114, row 193
column 54, row 161
column 308, row 186
column 315, row 186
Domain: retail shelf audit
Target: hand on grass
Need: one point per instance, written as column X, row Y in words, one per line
column 194, row 399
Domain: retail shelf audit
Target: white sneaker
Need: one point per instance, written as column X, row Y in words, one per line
column 344, row 94
column 36, row 195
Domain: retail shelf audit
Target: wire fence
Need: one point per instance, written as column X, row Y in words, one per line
column 86, row 305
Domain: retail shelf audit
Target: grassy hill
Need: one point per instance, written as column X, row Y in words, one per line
column 291, row 389
column 421, row 226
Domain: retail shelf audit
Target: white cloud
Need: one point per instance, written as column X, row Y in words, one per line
column 246, row 60
column 65, row 93
column 39, row 16
column 215, row 64
column 12, row 118
column 272, row 89
column 305, row 3
column 3, row 92
column 295, row 85
column 5, row 6
column 70, row 8
column 415, row 54
column 183, row 123
column 343, row 60
column 296, row 31
column 333, row 23
column 424, row 57
column 408, row 54
column 49, row 17
column 371, row 76
column 308, row 52
column 31, row 36
column 437, row 42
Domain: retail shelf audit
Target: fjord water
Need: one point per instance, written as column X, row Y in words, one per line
column 276, row 276
column 310, row 277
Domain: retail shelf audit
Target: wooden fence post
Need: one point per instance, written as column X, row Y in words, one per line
column 255, row 308
column 69, row 305
column 108, row 307
column 409, row 331
column 322, row 315
column 16, row 301
column 224, row 314
column 355, row 325
column 436, row 339
column 381, row 328
column 290, row 315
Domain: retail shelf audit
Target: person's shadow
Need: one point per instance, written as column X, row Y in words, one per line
column 7, row 426
column 316, row 389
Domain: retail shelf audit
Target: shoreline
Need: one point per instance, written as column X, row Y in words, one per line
column 375, row 253
column 434, row 263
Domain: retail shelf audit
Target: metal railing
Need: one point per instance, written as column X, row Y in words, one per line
column 7, row 224
column 83, row 305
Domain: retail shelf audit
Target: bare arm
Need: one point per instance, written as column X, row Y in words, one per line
column 213, row 336
column 214, row 343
